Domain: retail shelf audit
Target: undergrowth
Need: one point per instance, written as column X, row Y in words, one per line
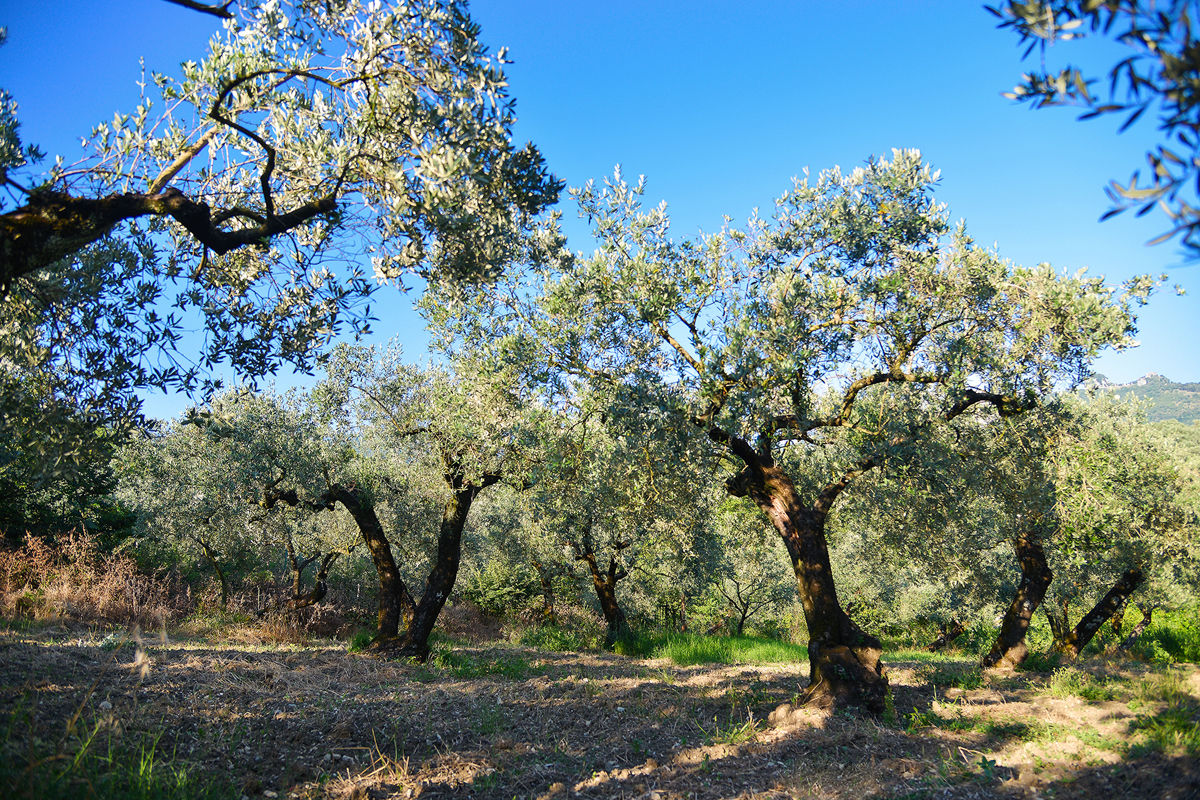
column 93, row 760
column 687, row 649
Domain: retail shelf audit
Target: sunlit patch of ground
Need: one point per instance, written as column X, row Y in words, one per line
column 505, row 721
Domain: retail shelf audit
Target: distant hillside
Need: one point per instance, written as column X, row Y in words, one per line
column 1169, row 400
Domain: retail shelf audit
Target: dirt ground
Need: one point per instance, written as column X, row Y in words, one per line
column 503, row 721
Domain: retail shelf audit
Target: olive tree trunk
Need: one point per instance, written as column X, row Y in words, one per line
column 546, row 577
column 1075, row 640
column 844, row 660
column 1010, row 649
column 415, row 641
column 1139, row 629
column 605, row 583
column 212, row 559
column 946, row 634
column 395, row 602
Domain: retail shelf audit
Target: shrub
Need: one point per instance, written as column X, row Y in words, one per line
column 499, row 588
column 69, row 577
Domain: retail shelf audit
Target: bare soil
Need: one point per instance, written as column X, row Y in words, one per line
column 499, row 721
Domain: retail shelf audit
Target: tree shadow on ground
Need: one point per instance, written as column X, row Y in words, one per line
column 503, row 722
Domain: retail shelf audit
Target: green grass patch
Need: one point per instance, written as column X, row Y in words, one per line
column 1071, row 682
column 470, row 665
column 686, row 649
column 920, row 655
column 549, row 637
column 952, row 676
column 1172, row 730
column 95, row 764
column 1041, row 662
column 1019, row 730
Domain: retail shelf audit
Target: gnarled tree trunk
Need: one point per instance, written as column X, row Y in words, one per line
column 212, row 559
column 1073, row 642
column 415, row 641
column 1010, row 649
column 395, row 601
column 1139, row 629
column 606, row 590
column 844, row 660
column 947, row 634
column 546, row 577
column 299, row 599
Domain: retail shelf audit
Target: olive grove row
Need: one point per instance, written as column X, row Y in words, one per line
column 851, row 373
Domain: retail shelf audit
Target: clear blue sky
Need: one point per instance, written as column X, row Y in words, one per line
column 719, row 105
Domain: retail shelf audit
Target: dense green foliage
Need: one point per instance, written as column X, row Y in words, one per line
column 317, row 151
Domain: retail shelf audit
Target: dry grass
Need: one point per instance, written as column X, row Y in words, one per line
column 70, row 579
column 500, row 721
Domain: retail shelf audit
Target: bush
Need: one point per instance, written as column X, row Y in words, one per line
column 69, row 577
column 499, row 589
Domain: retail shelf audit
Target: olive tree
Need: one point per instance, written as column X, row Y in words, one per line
column 751, row 574
column 610, row 497
column 209, row 486
column 1122, row 526
column 854, row 319
column 318, row 150
column 468, row 423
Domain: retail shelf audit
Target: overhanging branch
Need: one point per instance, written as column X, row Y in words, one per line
column 55, row 225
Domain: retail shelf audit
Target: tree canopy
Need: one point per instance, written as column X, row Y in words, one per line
column 319, row 150
column 807, row 348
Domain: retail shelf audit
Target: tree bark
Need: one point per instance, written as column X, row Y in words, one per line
column 212, row 559
column 395, row 602
column 844, row 660
column 1139, row 629
column 1118, row 618
column 946, row 635
column 1073, row 643
column 415, row 641
column 606, row 593
column 1010, row 649
column 546, row 576
column 299, row 599
column 320, row 587
column 1060, row 628
column 54, row 225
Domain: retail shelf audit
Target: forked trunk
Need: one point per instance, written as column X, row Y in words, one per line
column 1060, row 628
column 320, row 587
column 1010, row 649
column 947, row 634
column 395, row 602
column 415, row 641
column 1074, row 641
column 298, row 598
column 843, row 659
column 606, row 593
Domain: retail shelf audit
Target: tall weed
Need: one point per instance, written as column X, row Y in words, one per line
column 69, row 577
